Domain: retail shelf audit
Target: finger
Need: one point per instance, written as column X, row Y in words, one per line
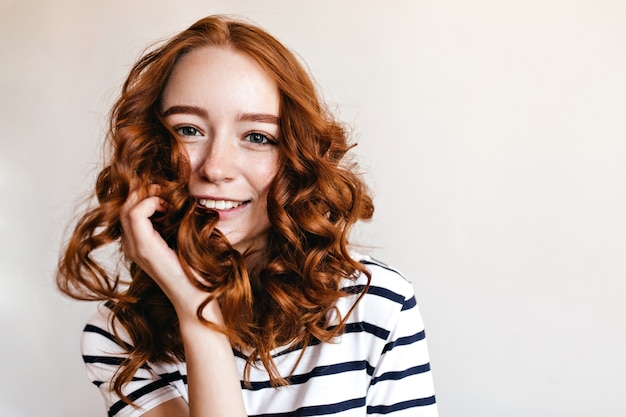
column 141, row 242
column 145, row 208
column 141, row 193
column 135, row 213
column 136, row 224
column 155, row 190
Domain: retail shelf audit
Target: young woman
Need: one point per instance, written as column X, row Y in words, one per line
column 229, row 192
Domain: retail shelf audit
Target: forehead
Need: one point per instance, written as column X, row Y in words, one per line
column 221, row 76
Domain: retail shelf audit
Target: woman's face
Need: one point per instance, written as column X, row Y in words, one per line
column 225, row 109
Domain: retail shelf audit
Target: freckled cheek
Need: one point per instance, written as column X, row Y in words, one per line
column 195, row 159
column 266, row 173
column 192, row 156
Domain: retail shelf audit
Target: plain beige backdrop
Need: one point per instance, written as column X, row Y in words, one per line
column 494, row 137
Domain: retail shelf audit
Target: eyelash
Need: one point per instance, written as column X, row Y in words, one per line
column 180, row 130
column 265, row 139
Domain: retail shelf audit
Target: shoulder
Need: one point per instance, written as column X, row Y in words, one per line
column 382, row 298
column 103, row 335
column 105, row 345
column 105, row 341
column 384, row 280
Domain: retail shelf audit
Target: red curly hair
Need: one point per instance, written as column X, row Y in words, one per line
column 313, row 201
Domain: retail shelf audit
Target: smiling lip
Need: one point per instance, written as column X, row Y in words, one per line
column 217, row 204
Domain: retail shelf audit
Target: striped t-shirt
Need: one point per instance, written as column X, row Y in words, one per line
column 378, row 366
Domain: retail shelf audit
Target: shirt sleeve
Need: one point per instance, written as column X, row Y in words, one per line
column 151, row 386
column 402, row 383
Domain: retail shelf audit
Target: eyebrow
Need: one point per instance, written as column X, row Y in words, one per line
column 185, row 110
column 198, row 111
column 259, row 117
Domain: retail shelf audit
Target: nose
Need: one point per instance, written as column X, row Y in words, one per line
column 219, row 160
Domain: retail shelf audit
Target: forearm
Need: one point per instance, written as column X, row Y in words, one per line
column 213, row 381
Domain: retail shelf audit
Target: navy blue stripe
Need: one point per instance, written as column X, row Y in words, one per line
column 409, row 304
column 353, row 289
column 397, row 375
column 98, row 383
column 374, row 290
column 93, row 329
column 243, row 356
column 386, row 293
column 165, row 380
column 366, row 327
column 319, row 410
column 380, row 264
column 135, row 395
column 407, row 340
column 239, row 354
column 333, row 369
column 107, row 360
column 386, row 409
column 358, row 327
column 174, row 376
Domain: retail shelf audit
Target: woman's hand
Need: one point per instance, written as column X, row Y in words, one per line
column 143, row 245
column 213, row 381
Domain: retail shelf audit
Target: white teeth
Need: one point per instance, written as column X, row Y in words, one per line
column 219, row 204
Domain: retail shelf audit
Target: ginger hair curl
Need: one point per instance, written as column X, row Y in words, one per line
column 313, row 201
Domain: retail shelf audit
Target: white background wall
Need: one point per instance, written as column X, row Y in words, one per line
column 494, row 135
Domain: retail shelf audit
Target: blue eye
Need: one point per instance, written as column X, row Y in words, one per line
column 188, row 131
column 260, row 138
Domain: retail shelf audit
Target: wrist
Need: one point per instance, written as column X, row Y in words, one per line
column 188, row 314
